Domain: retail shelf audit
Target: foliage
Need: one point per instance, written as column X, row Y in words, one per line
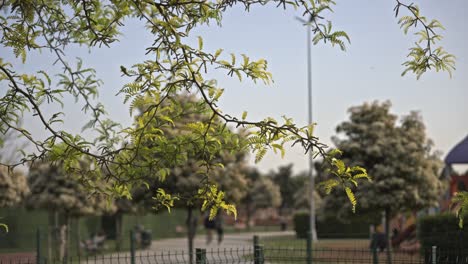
column 302, row 194
column 13, row 187
column 294, row 188
column 174, row 67
column 265, row 193
column 261, row 193
column 460, row 203
column 356, row 226
column 288, row 185
column 54, row 189
column 301, row 222
column 4, row 226
column 399, row 158
column 423, row 56
column 192, row 182
column 441, row 231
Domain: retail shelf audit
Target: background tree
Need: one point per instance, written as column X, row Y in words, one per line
column 186, row 180
column 398, row 157
column 64, row 197
column 262, row 193
column 13, row 184
column 13, row 187
column 302, row 194
column 125, row 206
column 289, row 186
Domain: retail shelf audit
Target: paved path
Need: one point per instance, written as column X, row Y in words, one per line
column 235, row 248
column 240, row 240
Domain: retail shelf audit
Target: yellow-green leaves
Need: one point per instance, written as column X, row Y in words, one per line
column 322, row 28
column 255, row 70
column 346, row 177
column 351, row 197
column 200, row 43
column 4, row 226
column 214, row 200
column 424, row 56
column 329, row 184
column 460, row 205
column 164, row 199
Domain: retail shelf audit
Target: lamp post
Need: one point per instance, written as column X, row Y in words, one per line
column 313, row 228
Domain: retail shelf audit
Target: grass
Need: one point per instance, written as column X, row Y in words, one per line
column 287, row 249
column 291, row 242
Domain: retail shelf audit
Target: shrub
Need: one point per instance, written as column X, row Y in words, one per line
column 443, row 231
column 358, row 227
column 301, row 224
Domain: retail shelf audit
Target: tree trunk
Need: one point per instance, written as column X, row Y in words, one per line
column 249, row 216
column 191, row 231
column 64, row 239
column 387, row 236
column 78, row 236
column 56, row 237
column 118, row 231
column 50, row 235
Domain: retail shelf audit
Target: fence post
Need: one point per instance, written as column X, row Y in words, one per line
column 38, row 246
column 258, row 251
column 200, row 256
column 132, row 246
column 255, row 248
column 375, row 256
column 309, row 247
column 434, row 255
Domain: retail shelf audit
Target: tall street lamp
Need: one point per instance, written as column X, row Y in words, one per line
column 313, row 228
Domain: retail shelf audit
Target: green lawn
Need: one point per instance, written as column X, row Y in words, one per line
column 291, row 242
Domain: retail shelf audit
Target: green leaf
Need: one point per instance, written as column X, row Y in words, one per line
column 351, row 198
column 244, row 115
column 200, row 43
column 4, row 226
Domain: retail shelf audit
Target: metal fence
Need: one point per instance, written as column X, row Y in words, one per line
column 257, row 253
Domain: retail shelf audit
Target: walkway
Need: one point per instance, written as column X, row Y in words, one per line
column 240, row 240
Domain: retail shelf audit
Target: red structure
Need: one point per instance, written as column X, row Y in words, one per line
column 458, row 155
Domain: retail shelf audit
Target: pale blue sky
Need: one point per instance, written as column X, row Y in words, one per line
column 369, row 70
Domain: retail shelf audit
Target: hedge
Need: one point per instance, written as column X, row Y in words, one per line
column 443, row 231
column 331, row 227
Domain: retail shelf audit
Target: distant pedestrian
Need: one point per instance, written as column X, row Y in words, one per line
column 283, row 223
column 210, row 225
column 219, row 223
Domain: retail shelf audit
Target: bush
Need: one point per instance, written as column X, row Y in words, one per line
column 358, row 227
column 443, row 231
column 301, row 224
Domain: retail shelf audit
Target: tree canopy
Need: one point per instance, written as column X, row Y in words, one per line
column 13, row 187
column 176, row 66
column 398, row 156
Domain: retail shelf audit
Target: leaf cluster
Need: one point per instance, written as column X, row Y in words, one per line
column 424, row 56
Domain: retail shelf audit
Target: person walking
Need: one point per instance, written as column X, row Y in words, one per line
column 210, row 225
column 219, row 223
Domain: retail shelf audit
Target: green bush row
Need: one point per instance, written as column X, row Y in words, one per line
column 331, row 227
column 442, row 231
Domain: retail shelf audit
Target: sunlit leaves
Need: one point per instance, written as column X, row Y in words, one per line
column 345, row 177
column 322, row 28
column 164, row 199
column 213, row 199
column 424, row 56
column 460, row 204
column 4, row 226
column 174, row 66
